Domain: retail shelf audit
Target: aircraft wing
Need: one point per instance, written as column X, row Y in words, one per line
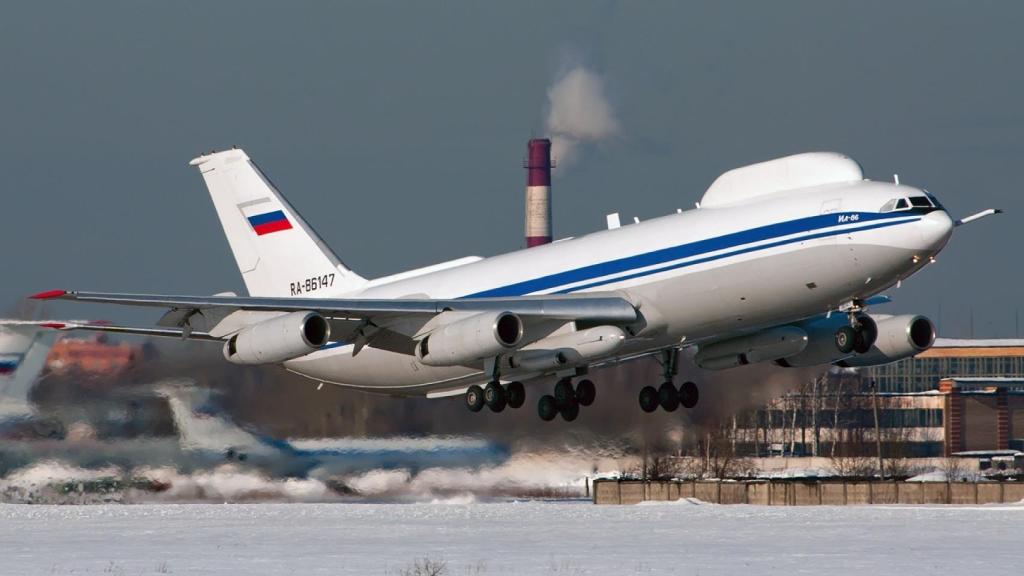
column 351, row 313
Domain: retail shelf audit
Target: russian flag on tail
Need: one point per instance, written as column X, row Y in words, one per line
column 269, row 222
column 8, row 364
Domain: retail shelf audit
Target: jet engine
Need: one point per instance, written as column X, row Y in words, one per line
column 760, row 346
column 899, row 337
column 567, row 349
column 467, row 340
column 278, row 339
column 830, row 339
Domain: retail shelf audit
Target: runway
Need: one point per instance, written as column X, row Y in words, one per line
column 507, row 538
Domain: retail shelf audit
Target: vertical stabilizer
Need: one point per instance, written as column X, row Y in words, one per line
column 23, row 351
column 276, row 251
column 200, row 429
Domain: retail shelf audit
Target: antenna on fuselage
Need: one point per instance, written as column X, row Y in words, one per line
column 896, row 179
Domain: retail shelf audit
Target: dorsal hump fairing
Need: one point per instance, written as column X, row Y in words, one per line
column 277, row 252
column 781, row 174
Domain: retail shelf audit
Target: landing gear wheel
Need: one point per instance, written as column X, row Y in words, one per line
column 515, row 393
column 547, row 408
column 648, row 399
column 494, row 397
column 668, row 397
column 845, row 339
column 689, row 394
column 474, row 398
column 586, row 392
column 570, row 411
column 564, row 392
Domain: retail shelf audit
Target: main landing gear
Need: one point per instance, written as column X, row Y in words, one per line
column 495, row 396
column 566, row 400
column 667, row 395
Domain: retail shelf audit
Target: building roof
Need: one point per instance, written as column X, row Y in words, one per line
column 982, row 347
column 979, row 343
column 983, row 384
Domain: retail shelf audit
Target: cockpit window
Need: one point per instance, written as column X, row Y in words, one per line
column 920, row 202
column 888, row 206
column 935, row 201
column 901, row 204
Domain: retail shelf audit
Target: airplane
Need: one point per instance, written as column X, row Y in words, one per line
column 24, row 346
column 778, row 262
column 208, row 437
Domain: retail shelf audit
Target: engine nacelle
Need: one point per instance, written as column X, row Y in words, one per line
column 822, row 346
column 278, row 339
column 570, row 349
column 761, row 346
column 899, row 337
column 470, row 339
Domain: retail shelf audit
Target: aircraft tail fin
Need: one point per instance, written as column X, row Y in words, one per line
column 23, row 351
column 199, row 428
column 276, row 251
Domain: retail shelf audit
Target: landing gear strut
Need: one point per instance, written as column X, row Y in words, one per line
column 566, row 400
column 666, row 395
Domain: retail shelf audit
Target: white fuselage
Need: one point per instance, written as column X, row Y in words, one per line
column 703, row 274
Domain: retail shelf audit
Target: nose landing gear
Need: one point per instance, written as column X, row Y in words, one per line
column 859, row 336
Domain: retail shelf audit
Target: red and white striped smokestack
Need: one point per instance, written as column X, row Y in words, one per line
column 538, row 192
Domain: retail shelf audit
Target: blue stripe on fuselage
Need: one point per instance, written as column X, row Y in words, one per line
column 724, row 242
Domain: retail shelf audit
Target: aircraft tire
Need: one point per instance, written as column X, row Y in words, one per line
column 689, row 394
column 474, row 398
column 515, row 392
column 494, row 395
column 564, row 392
column 864, row 340
column 570, row 411
column 586, row 392
column 668, row 397
column 845, row 339
column 648, row 399
column 547, row 408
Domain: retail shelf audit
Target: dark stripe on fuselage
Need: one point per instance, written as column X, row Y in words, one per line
column 699, row 247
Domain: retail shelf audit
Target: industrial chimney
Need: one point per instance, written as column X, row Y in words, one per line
column 538, row 192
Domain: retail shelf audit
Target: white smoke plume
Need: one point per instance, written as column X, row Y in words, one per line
column 578, row 113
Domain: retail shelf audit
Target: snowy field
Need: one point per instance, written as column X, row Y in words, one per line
column 508, row 538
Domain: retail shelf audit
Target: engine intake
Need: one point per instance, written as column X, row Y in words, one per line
column 470, row 339
column 278, row 339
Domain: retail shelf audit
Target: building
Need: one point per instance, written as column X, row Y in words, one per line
column 94, row 356
column 982, row 414
column 959, row 396
column 950, row 358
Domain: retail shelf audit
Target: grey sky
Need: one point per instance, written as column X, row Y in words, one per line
column 399, row 129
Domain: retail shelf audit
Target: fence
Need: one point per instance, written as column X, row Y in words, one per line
column 795, row 493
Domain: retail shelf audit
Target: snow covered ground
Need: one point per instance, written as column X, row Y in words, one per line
column 508, row 538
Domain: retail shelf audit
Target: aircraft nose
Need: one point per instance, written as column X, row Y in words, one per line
column 936, row 227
